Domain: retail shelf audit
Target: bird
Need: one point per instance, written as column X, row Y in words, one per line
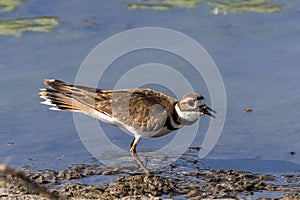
column 143, row 112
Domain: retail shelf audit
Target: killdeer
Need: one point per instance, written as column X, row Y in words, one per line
column 142, row 112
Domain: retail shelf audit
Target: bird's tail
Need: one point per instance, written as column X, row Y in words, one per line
column 63, row 96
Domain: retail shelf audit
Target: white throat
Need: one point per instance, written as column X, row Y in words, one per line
column 187, row 117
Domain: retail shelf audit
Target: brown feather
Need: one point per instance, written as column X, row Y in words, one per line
column 144, row 109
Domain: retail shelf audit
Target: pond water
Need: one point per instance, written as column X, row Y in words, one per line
column 257, row 55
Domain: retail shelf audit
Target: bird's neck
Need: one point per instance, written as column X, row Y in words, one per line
column 186, row 117
column 173, row 120
column 175, row 116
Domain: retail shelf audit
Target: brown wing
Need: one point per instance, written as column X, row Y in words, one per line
column 144, row 109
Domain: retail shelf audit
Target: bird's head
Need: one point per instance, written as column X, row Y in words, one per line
column 191, row 106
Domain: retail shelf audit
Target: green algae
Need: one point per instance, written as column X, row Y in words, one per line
column 245, row 6
column 219, row 6
column 138, row 6
column 184, row 3
column 10, row 5
column 164, row 4
column 17, row 26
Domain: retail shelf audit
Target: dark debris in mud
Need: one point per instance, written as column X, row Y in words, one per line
column 132, row 186
column 191, row 185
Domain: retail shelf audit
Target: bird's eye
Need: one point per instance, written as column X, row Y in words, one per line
column 191, row 103
column 200, row 98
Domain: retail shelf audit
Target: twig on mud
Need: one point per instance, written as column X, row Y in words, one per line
column 25, row 181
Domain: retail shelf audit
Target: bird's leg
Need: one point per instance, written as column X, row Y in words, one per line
column 133, row 145
column 139, row 162
column 135, row 156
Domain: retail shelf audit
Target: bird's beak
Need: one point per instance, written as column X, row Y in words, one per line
column 207, row 110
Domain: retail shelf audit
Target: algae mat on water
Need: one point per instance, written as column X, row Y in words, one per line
column 18, row 26
column 163, row 4
column 219, row 6
column 245, row 6
column 9, row 5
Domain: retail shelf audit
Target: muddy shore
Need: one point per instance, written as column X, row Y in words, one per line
column 200, row 184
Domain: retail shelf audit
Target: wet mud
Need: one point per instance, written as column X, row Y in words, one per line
column 76, row 183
